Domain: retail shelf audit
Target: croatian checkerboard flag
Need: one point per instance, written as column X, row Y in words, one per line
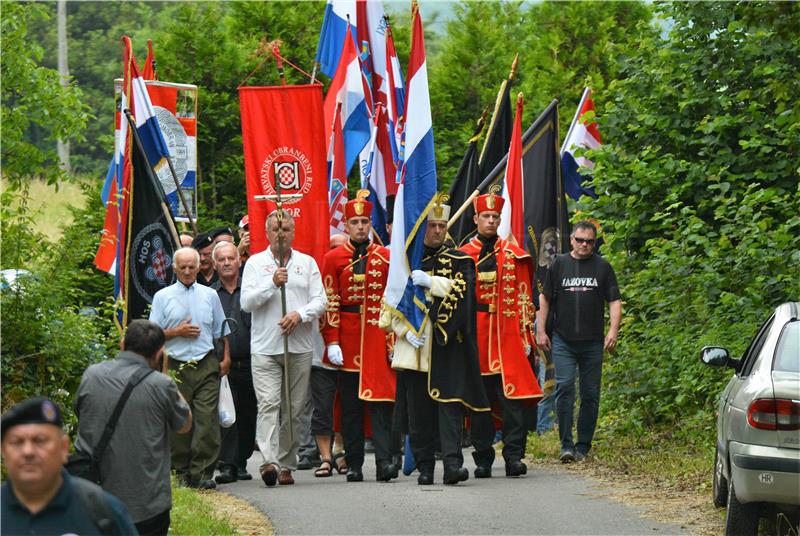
column 347, row 93
column 379, row 177
column 583, row 134
column 395, row 95
column 416, row 191
column 331, row 36
column 135, row 98
column 337, row 177
column 512, row 218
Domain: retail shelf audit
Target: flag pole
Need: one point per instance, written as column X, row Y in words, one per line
column 586, row 92
column 179, row 193
column 151, row 175
column 492, row 176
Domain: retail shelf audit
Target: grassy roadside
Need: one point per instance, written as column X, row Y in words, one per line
column 193, row 513
column 666, row 476
column 50, row 208
column 212, row 512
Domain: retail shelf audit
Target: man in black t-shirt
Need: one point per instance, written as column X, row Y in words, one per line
column 576, row 288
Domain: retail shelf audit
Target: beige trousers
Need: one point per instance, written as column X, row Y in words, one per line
column 272, row 423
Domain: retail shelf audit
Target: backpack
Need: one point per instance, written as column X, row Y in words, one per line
column 93, row 499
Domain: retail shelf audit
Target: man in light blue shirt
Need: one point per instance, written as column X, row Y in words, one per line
column 191, row 316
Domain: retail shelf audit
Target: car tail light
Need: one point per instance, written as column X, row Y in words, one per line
column 774, row 414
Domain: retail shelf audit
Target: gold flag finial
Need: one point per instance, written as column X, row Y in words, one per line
column 513, row 72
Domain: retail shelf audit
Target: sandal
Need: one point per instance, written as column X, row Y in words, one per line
column 341, row 463
column 325, row 469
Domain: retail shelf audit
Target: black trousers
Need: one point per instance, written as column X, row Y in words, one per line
column 155, row 526
column 424, row 414
column 238, row 440
column 514, row 433
column 380, row 414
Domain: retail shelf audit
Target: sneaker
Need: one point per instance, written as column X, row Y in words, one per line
column 580, row 456
column 567, row 456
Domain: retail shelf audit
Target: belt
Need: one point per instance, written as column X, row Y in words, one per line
column 350, row 309
column 487, row 308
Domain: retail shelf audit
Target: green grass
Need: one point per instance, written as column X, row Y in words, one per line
column 192, row 513
column 660, row 457
column 50, row 208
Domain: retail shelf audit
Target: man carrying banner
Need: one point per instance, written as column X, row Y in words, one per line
column 355, row 277
column 505, row 335
column 273, row 324
column 442, row 365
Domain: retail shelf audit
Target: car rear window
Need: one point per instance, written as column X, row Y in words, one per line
column 787, row 358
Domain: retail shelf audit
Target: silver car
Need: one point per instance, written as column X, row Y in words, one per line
column 757, row 463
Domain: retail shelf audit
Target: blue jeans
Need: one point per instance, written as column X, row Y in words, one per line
column 544, row 422
column 585, row 357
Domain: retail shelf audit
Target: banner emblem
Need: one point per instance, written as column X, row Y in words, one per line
column 291, row 168
column 150, row 258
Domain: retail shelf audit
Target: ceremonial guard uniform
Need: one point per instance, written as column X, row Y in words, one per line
column 438, row 372
column 354, row 275
column 505, row 337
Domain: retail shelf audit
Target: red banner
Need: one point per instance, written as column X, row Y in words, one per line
column 282, row 134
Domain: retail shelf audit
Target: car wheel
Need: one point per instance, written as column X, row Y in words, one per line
column 742, row 519
column 719, row 484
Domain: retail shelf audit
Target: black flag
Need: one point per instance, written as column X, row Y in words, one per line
column 546, row 224
column 463, row 185
column 498, row 137
column 152, row 236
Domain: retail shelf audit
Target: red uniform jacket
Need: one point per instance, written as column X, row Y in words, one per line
column 354, row 306
column 505, row 317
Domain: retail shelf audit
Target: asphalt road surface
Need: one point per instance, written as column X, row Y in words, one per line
column 543, row 502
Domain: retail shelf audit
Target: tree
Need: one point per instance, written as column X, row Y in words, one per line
column 559, row 54
column 702, row 206
column 36, row 110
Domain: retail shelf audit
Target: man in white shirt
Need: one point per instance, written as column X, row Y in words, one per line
column 305, row 301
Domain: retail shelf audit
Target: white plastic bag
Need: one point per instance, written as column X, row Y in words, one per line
column 227, row 411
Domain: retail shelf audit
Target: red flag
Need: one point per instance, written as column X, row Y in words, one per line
column 283, row 138
column 149, row 69
column 512, row 219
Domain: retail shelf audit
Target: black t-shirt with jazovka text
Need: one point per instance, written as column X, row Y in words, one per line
column 577, row 290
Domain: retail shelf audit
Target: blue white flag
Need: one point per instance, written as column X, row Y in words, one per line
column 331, row 36
column 416, row 191
column 583, row 134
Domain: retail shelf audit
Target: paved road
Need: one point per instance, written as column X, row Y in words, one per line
column 543, row 502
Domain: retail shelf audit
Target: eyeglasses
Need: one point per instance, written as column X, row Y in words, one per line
column 583, row 240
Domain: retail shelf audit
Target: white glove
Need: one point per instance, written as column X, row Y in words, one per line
column 421, row 279
column 335, row 355
column 415, row 341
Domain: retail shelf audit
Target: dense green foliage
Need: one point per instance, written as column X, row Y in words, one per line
column 702, row 212
column 559, row 54
column 36, row 111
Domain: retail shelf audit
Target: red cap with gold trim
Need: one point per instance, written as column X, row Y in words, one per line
column 490, row 202
column 358, row 207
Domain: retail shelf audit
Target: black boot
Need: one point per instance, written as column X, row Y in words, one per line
column 483, row 471
column 226, row 475
column 454, row 475
column 386, row 471
column 516, row 468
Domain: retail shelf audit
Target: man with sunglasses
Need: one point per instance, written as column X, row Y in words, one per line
column 576, row 288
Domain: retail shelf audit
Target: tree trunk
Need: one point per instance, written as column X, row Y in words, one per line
column 63, row 70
